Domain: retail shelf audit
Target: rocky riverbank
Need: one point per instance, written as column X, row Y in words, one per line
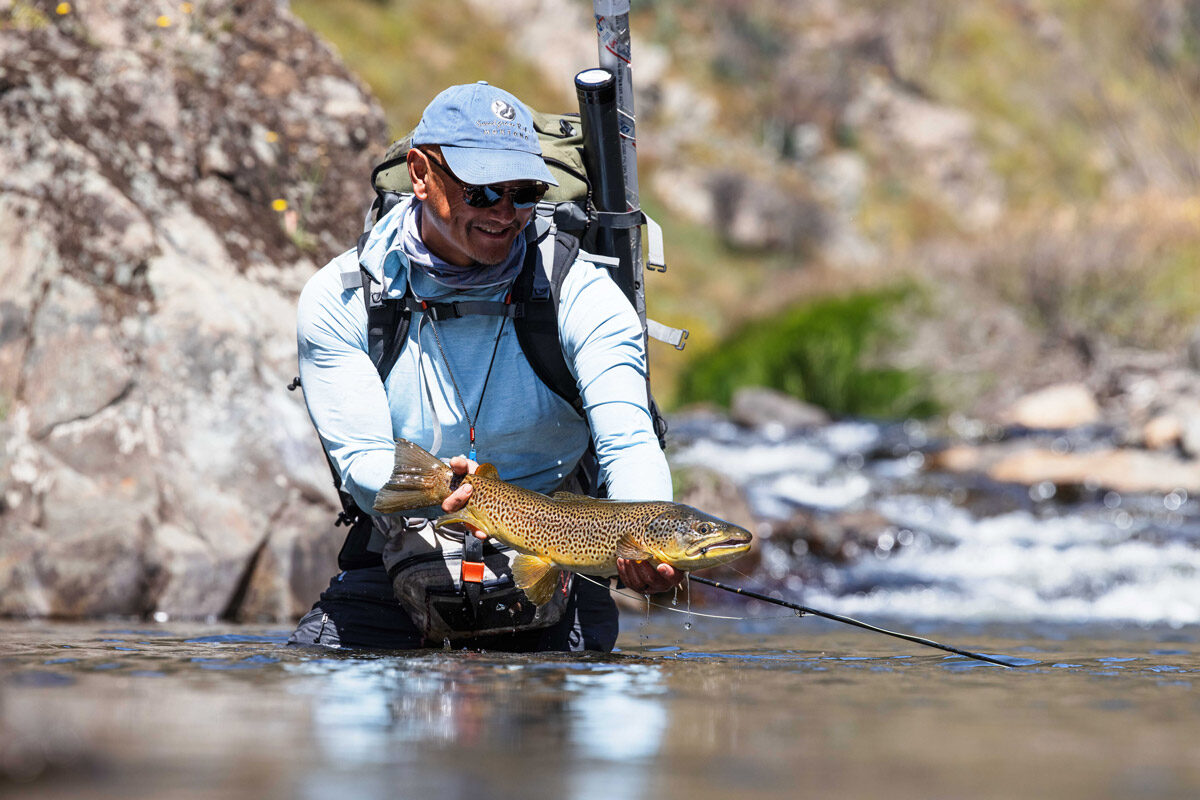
column 170, row 175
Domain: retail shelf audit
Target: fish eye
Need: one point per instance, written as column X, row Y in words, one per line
column 705, row 528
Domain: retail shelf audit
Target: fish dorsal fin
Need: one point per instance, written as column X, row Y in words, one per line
column 535, row 576
column 571, row 497
column 488, row 471
column 631, row 548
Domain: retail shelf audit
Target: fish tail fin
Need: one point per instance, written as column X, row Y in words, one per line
column 419, row 479
column 535, row 576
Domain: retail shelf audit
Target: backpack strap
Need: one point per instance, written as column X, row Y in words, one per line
column 537, row 289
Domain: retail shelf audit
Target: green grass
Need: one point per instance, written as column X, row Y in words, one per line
column 408, row 52
column 821, row 353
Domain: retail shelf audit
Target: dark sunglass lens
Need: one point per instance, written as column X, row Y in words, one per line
column 526, row 196
column 487, row 196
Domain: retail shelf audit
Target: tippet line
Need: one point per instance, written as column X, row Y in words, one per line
column 851, row 621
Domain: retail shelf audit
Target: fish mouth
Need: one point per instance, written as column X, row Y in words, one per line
column 724, row 544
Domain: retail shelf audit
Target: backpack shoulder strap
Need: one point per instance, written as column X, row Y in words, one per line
column 537, row 289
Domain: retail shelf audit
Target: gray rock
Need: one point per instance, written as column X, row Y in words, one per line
column 152, row 460
column 757, row 406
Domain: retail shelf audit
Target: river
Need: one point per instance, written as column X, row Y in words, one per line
column 1092, row 596
column 777, row 706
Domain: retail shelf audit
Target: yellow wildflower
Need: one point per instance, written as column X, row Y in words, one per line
column 279, row 204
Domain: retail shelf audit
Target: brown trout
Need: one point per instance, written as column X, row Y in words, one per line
column 565, row 531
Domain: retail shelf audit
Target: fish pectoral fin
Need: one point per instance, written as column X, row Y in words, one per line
column 465, row 517
column 536, row 577
column 631, row 548
column 487, row 471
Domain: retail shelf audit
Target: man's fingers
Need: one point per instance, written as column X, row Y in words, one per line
column 457, row 500
column 461, row 465
column 646, row 577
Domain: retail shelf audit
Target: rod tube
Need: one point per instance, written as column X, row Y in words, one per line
column 596, row 92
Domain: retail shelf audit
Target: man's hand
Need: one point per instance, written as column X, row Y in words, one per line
column 644, row 577
column 457, row 500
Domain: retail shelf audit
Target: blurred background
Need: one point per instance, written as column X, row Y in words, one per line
column 938, row 261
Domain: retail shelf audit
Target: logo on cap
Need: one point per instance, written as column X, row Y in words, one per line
column 503, row 110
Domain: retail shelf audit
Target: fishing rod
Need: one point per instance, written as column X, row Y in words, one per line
column 848, row 620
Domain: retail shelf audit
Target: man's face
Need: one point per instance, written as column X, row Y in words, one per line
column 454, row 231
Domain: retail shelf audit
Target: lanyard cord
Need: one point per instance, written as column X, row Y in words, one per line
column 457, row 392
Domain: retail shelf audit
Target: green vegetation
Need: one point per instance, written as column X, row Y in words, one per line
column 1083, row 120
column 821, row 353
column 408, row 52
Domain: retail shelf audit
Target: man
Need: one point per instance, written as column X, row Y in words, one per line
column 464, row 385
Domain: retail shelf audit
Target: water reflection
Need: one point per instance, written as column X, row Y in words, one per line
column 729, row 709
column 590, row 708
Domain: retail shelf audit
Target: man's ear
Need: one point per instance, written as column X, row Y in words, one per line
column 418, row 173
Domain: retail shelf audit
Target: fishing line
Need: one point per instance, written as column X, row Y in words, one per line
column 639, row 598
column 801, row 611
column 850, row 621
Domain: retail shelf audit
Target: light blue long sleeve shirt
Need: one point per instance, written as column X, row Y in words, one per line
column 532, row 436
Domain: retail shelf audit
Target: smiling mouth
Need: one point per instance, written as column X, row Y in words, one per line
column 497, row 233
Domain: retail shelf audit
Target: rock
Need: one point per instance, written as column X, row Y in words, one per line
column 1066, row 405
column 756, row 406
column 1119, row 470
column 1189, row 440
column 841, row 537
column 152, row 459
column 1163, row 432
column 1193, row 350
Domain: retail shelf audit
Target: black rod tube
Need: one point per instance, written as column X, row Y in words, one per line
column 848, row 620
column 596, row 90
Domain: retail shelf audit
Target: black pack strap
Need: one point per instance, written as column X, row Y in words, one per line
column 537, row 328
column 472, row 571
column 619, row 219
column 464, row 308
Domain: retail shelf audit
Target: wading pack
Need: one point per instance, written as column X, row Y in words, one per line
column 450, row 590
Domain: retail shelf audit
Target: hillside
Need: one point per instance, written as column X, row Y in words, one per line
column 1031, row 165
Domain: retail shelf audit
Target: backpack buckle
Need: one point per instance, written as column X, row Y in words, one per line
column 472, row 559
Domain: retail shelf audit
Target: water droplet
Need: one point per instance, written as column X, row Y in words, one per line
column 1041, row 491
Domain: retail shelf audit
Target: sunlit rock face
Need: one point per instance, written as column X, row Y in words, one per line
column 172, row 174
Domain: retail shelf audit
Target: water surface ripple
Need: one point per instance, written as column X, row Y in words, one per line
column 772, row 707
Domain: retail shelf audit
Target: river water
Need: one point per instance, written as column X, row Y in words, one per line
column 771, row 707
column 1092, row 596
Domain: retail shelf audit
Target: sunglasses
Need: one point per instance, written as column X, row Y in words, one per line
column 487, row 196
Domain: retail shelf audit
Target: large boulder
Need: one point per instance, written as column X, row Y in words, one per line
column 171, row 179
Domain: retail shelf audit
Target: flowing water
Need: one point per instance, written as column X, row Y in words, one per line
column 1094, row 596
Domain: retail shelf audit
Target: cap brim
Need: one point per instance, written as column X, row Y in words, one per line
column 480, row 166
